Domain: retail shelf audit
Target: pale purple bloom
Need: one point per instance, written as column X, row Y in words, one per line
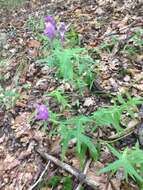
column 51, row 20
column 50, row 29
column 42, row 112
column 62, row 29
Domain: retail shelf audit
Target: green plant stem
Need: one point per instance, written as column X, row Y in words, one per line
column 121, row 135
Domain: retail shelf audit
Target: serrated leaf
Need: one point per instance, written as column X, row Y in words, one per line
column 67, row 183
column 54, row 181
column 124, row 161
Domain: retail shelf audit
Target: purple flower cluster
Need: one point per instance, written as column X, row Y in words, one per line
column 51, row 28
column 62, row 29
column 42, row 112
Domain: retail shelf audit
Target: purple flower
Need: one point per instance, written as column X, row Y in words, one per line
column 51, row 20
column 50, row 29
column 62, row 29
column 42, row 112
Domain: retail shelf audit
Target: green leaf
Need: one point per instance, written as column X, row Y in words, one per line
column 91, row 147
column 111, row 167
column 74, row 128
column 58, row 94
column 66, row 137
column 111, row 116
column 126, row 161
column 108, row 117
column 114, row 151
column 67, row 183
column 54, row 181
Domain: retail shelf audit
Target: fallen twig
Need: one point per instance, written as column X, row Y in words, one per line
column 40, row 178
column 126, row 131
column 75, row 172
column 87, row 164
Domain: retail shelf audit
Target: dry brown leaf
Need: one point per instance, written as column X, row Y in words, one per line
column 9, row 163
column 115, row 183
column 56, row 147
column 33, row 44
column 124, row 22
column 88, row 102
column 138, row 77
column 102, row 179
column 138, row 87
column 76, row 162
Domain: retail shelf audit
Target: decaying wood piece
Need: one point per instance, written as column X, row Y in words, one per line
column 87, row 164
column 75, row 172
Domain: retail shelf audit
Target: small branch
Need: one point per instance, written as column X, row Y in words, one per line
column 126, row 131
column 79, row 175
column 40, row 178
column 87, row 164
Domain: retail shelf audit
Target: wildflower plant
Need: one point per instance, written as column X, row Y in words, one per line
column 55, row 180
column 112, row 115
column 73, row 37
column 72, row 64
column 52, row 31
column 50, row 27
column 75, row 66
column 128, row 160
column 8, row 98
column 134, row 44
column 62, row 29
column 34, row 26
column 58, row 94
column 74, row 128
column 42, row 112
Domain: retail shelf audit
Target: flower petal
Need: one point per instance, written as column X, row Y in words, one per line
column 42, row 112
column 51, row 20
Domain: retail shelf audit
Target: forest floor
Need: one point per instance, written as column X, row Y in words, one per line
column 112, row 33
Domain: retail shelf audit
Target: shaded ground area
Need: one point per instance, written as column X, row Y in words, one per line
column 26, row 82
